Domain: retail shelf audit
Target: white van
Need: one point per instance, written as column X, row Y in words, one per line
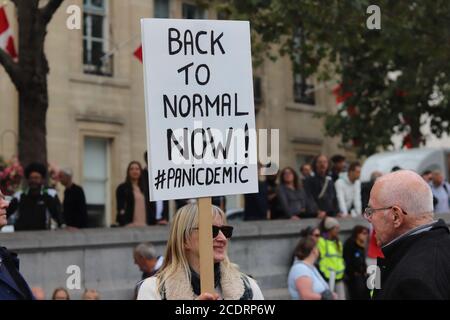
column 419, row 160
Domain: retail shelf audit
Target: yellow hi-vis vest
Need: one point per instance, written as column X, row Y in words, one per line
column 331, row 258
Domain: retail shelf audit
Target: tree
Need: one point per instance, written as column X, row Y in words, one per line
column 392, row 80
column 29, row 76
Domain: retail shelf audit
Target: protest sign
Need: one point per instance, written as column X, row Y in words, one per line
column 199, row 108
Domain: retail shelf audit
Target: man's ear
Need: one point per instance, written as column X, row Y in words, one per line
column 397, row 216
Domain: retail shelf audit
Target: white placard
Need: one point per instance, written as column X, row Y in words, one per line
column 199, row 108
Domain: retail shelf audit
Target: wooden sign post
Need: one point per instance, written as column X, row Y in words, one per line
column 206, row 245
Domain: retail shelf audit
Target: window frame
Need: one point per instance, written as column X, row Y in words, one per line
column 89, row 66
column 301, row 84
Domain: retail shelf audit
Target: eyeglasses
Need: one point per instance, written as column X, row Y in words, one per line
column 368, row 212
column 316, row 235
column 226, row 230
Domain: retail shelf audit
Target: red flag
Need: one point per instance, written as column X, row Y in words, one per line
column 6, row 35
column 374, row 250
column 340, row 95
column 138, row 53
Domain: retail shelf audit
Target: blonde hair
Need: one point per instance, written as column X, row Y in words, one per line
column 175, row 260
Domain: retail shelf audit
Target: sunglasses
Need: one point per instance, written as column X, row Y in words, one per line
column 226, row 230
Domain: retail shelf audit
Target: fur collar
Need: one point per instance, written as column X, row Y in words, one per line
column 232, row 286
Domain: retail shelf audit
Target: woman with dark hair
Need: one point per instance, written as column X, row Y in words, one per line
column 355, row 264
column 292, row 199
column 304, row 280
column 131, row 204
column 313, row 232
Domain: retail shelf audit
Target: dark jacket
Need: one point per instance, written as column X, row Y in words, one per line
column 328, row 202
column 366, row 187
column 125, row 206
column 294, row 203
column 355, row 270
column 257, row 204
column 12, row 285
column 75, row 211
column 151, row 212
column 151, row 205
column 355, row 258
column 417, row 266
column 34, row 211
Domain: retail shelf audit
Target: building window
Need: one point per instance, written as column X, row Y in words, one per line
column 95, row 38
column 191, row 11
column 303, row 90
column 161, row 8
column 303, row 86
column 95, row 180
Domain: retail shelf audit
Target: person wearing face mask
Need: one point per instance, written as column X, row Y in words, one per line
column 179, row 279
column 12, row 285
column 36, row 206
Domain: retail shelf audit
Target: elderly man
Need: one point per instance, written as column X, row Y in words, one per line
column 148, row 262
column 146, row 259
column 12, row 284
column 415, row 246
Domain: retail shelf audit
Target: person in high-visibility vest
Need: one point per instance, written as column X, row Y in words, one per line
column 331, row 261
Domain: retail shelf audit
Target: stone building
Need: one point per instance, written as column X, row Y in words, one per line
column 96, row 116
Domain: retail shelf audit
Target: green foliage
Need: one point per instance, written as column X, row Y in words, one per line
column 414, row 40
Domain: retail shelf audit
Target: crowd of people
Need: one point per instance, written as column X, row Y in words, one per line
column 325, row 269
column 320, row 191
column 414, row 262
column 323, row 188
column 326, row 188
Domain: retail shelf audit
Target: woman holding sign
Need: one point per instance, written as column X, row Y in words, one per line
column 178, row 278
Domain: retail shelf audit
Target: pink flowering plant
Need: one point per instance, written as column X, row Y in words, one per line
column 11, row 174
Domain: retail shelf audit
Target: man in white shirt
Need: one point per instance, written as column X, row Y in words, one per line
column 348, row 191
column 441, row 191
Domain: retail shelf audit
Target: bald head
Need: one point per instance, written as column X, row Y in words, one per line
column 402, row 201
column 405, row 189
